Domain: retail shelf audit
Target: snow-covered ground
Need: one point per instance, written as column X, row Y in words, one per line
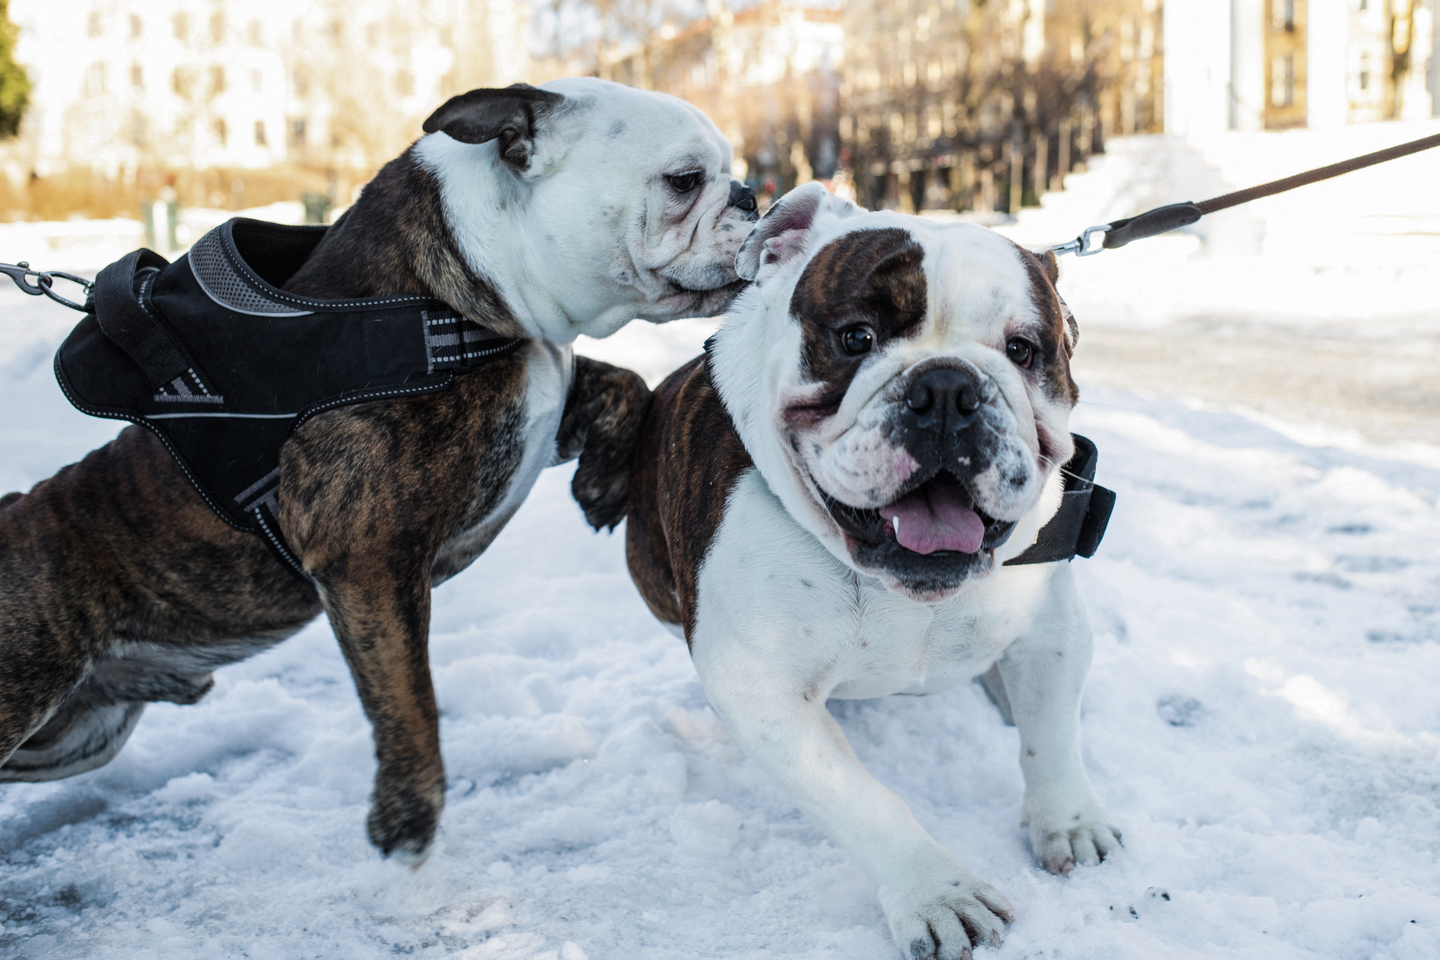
column 1262, row 719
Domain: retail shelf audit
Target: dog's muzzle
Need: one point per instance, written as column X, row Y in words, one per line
column 743, row 199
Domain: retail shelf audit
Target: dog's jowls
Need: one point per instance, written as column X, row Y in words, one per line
column 540, row 213
column 822, row 505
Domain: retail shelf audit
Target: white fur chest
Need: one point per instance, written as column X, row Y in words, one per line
column 770, row 591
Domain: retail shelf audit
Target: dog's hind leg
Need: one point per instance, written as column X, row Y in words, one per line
column 56, row 615
column 54, row 722
column 76, row 739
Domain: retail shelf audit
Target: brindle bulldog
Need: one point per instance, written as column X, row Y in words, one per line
column 539, row 213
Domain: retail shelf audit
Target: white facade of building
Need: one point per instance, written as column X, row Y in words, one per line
column 1217, row 77
column 123, row 84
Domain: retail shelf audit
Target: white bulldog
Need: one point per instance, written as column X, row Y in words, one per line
column 822, row 504
column 613, row 204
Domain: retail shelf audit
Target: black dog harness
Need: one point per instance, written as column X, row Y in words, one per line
column 210, row 355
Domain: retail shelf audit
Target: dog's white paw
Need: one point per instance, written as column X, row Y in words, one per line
column 938, row 909
column 1064, row 834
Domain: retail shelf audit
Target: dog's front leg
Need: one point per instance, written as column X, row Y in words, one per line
column 381, row 615
column 601, row 425
column 1044, row 673
column 934, row 905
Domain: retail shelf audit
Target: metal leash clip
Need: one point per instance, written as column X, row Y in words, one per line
column 44, row 282
column 1081, row 246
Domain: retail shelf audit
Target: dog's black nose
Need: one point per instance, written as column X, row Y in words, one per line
column 944, row 398
column 742, row 196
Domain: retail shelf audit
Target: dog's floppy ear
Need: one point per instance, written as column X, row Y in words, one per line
column 1072, row 329
column 785, row 231
column 509, row 115
column 1050, row 266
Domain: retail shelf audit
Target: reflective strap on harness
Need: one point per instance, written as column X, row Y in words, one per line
column 124, row 318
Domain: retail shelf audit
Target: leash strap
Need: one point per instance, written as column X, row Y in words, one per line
column 1079, row 525
column 1152, row 223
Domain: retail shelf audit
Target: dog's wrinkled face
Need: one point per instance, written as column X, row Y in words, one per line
column 914, row 385
column 590, row 203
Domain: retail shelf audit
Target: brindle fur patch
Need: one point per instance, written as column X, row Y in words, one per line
column 688, row 460
column 601, row 425
column 396, row 240
column 870, row 277
column 119, row 548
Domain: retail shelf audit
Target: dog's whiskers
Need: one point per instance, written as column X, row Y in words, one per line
column 1067, row 472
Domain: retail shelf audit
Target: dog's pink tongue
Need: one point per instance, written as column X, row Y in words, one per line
column 940, row 518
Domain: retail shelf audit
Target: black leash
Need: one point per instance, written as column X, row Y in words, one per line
column 1152, row 223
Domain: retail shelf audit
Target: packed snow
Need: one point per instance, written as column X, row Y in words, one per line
column 1261, row 719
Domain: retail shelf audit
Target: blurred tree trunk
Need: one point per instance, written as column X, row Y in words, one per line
column 14, row 84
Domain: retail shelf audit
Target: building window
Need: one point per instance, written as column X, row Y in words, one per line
column 222, row 134
column 180, row 82
column 182, row 25
column 95, row 84
column 1284, row 14
column 1364, row 71
column 137, row 76
column 297, row 133
column 217, row 79
column 260, row 140
column 1285, row 71
column 257, row 81
column 256, row 33
column 136, row 27
column 217, row 27
column 1282, row 81
column 93, row 26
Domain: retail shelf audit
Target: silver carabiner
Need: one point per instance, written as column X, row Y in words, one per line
column 1081, row 246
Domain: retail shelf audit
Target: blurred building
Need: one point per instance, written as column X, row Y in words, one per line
column 769, row 76
column 234, row 103
column 1283, row 64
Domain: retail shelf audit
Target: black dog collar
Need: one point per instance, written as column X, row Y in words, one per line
column 210, row 355
column 1079, row 525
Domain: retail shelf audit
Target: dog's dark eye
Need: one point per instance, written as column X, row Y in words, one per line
column 1020, row 352
column 684, row 182
column 857, row 340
